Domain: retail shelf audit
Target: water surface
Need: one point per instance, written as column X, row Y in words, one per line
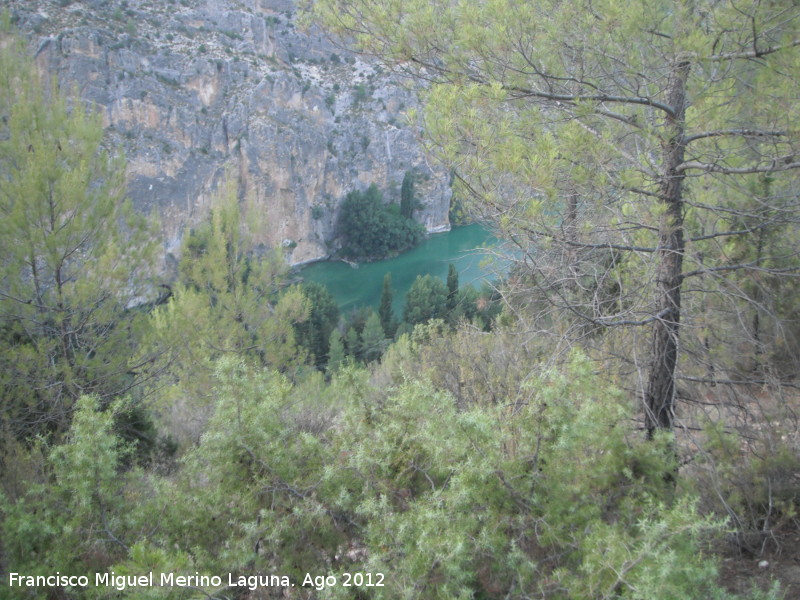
column 358, row 287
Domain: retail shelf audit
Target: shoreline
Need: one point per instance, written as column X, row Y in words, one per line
column 446, row 228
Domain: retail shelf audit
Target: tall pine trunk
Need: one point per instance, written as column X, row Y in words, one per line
column 660, row 393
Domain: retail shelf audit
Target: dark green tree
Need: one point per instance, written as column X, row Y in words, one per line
column 353, row 343
column 407, row 200
column 314, row 333
column 373, row 339
column 452, row 287
column 385, row 310
column 426, row 300
column 372, row 229
column 228, row 301
column 336, row 354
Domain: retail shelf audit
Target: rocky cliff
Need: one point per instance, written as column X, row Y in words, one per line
column 194, row 88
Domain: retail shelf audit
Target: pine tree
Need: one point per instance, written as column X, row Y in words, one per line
column 227, row 302
column 407, row 202
column 353, row 343
column 75, row 256
column 620, row 147
column 385, row 310
column 336, row 355
column 452, row 287
column 426, row 300
column 372, row 338
column 314, row 332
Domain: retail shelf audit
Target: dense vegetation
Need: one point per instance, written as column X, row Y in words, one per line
column 74, row 258
column 487, row 446
column 646, row 182
column 373, row 229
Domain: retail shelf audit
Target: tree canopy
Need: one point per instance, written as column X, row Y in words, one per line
column 426, row 300
column 314, row 333
column 458, row 461
column 372, row 229
column 385, row 308
column 626, row 150
column 76, row 258
column 228, row 300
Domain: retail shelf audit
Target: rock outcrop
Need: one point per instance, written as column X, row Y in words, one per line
column 193, row 89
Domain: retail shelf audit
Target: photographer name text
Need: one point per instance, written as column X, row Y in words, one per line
column 196, row 580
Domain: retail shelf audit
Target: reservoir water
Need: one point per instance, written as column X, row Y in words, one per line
column 353, row 288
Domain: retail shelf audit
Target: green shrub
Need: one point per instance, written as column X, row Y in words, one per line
column 550, row 499
column 753, row 480
column 86, row 507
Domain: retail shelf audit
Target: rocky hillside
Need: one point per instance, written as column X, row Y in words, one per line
column 192, row 88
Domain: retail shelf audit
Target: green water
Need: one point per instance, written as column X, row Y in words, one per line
column 358, row 287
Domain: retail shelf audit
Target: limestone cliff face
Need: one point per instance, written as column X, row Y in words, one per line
column 194, row 88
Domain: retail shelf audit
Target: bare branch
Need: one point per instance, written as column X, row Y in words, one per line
column 753, row 266
column 735, row 382
column 602, row 98
column 711, row 236
column 619, row 322
column 733, row 132
column 784, row 163
column 576, row 244
column 755, row 53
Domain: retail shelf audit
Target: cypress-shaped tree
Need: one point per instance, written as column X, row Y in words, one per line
column 353, row 343
column 385, row 310
column 407, row 204
column 452, row 287
column 372, row 338
column 335, row 351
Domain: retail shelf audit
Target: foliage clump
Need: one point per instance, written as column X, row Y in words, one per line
column 372, row 229
column 76, row 258
column 314, row 333
column 551, row 497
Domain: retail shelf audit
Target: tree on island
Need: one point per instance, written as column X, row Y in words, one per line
column 372, row 229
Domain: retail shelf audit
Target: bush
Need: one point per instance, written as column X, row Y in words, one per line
column 753, row 480
column 77, row 518
column 551, row 500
